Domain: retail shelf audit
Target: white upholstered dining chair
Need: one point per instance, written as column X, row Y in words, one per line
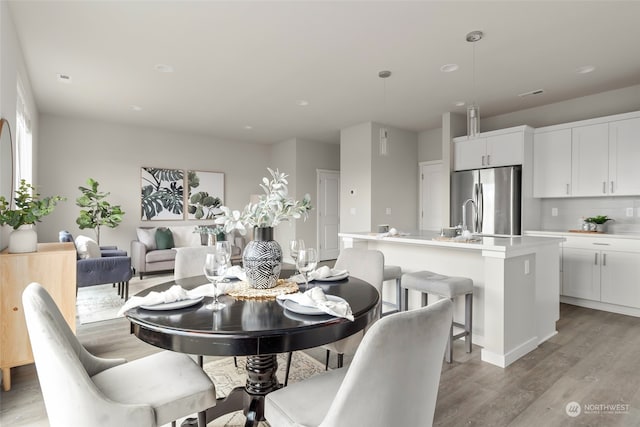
column 392, row 381
column 80, row 389
column 367, row 265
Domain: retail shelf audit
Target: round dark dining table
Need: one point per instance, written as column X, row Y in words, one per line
column 258, row 329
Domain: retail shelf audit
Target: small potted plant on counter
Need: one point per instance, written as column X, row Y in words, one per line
column 598, row 223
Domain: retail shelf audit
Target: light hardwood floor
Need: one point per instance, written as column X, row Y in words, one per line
column 594, row 360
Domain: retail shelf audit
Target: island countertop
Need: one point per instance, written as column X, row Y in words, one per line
column 507, row 245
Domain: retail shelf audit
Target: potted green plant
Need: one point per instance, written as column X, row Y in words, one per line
column 29, row 209
column 262, row 256
column 599, row 222
column 97, row 211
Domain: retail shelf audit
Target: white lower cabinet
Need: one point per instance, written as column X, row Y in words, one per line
column 580, row 273
column 619, row 275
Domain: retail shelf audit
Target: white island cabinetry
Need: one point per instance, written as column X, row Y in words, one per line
column 516, row 285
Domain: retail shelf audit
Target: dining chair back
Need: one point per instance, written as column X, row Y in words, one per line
column 80, row 389
column 367, row 265
column 190, row 261
column 392, row 381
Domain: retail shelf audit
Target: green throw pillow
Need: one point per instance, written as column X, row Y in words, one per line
column 164, row 238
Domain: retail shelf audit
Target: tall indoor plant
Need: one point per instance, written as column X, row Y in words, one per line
column 29, row 209
column 262, row 257
column 97, row 211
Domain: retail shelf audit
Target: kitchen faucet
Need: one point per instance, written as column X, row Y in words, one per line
column 464, row 213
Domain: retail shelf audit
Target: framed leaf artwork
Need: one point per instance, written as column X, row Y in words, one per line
column 162, row 194
column 205, row 194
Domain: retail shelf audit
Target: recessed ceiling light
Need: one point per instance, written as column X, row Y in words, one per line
column 303, row 103
column 63, row 78
column 248, row 127
column 163, row 68
column 135, row 107
column 448, row 68
column 585, row 69
column 459, row 103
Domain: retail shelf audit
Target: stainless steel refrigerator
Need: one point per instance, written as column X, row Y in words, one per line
column 496, row 200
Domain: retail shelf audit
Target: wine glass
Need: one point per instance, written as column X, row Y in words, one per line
column 306, row 262
column 294, row 248
column 213, row 266
column 223, row 252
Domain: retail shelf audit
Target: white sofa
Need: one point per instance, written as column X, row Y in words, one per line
column 145, row 258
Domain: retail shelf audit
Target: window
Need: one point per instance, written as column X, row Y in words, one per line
column 24, row 151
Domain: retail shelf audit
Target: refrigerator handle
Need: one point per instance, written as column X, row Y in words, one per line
column 476, row 198
column 480, row 209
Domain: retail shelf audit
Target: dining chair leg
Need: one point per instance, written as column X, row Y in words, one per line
column 326, row 361
column 173, row 424
column 286, row 372
column 235, row 361
column 340, row 360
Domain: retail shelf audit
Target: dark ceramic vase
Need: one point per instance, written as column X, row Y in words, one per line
column 262, row 259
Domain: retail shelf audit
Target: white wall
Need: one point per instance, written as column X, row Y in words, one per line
column 283, row 157
column 12, row 65
column 430, row 145
column 73, row 149
column 355, row 178
column 394, row 180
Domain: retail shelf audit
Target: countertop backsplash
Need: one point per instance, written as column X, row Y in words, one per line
column 570, row 211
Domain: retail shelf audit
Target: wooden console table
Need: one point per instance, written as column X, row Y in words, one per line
column 54, row 267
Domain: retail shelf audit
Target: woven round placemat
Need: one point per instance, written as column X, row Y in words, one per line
column 243, row 290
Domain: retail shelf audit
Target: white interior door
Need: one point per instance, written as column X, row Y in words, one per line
column 328, row 214
column 431, row 195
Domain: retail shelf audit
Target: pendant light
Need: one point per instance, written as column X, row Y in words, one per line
column 384, row 132
column 473, row 110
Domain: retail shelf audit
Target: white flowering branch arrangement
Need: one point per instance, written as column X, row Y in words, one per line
column 272, row 208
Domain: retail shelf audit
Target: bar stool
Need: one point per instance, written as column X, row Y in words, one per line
column 428, row 282
column 393, row 272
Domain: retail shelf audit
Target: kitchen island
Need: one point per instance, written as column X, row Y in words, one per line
column 516, row 283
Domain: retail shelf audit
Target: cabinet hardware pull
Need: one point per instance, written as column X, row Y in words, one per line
column 595, row 261
column 602, row 244
column 567, row 188
column 612, row 187
column 482, row 160
column 488, row 159
column 604, row 259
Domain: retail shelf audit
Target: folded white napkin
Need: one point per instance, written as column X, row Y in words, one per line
column 236, row 271
column 323, row 272
column 316, row 298
column 176, row 293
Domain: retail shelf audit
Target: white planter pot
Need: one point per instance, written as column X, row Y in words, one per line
column 24, row 239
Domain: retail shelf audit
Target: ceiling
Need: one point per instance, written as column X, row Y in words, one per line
column 248, row 64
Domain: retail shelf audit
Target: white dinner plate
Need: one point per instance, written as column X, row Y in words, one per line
column 173, row 305
column 309, row 311
column 333, row 278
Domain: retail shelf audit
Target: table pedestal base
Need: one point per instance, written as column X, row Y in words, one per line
column 261, row 379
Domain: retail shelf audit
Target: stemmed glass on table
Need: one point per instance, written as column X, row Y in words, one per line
column 294, row 248
column 215, row 266
column 223, row 250
column 306, row 262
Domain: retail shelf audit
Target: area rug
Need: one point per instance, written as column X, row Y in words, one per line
column 101, row 302
column 226, row 376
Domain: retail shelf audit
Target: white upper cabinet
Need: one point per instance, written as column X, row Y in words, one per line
column 492, row 149
column 589, row 160
column 597, row 157
column 552, row 164
column 624, row 157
